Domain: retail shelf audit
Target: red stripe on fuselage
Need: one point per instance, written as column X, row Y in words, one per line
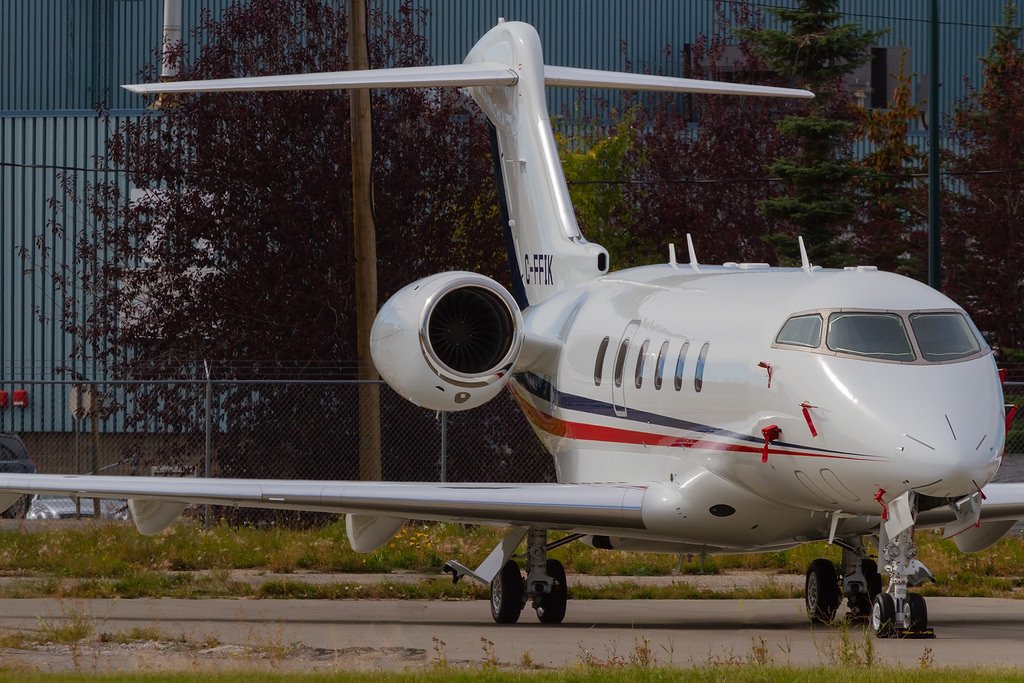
column 583, row 431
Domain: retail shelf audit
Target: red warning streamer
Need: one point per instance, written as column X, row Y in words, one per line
column 770, row 433
column 807, row 416
column 885, row 508
column 1010, row 415
column 768, row 369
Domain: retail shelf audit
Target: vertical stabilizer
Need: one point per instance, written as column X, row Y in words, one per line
column 548, row 253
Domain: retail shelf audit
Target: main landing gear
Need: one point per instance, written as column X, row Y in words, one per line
column 545, row 584
column 825, row 589
column 894, row 612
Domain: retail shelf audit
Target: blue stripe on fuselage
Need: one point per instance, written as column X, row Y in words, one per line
column 546, row 391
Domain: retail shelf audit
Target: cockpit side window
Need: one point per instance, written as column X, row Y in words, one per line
column 881, row 336
column 801, row 330
column 943, row 336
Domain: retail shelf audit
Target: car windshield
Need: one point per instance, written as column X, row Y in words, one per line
column 881, row 336
column 943, row 336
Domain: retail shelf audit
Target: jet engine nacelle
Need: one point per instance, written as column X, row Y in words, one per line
column 448, row 341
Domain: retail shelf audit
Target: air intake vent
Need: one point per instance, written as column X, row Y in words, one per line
column 470, row 330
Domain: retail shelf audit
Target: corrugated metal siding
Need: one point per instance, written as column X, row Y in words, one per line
column 32, row 343
column 71, row 54
column 58, row 57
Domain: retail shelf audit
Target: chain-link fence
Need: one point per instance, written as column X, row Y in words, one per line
column 282, row 429
column 1013, row 393
column 272, row 428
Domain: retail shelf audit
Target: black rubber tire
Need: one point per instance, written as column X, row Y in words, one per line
column 860, row 610
column 821, row 591
column 918, row 612
column 883, row 616
column 870, row 570
column 551, row 606
column 507, row 591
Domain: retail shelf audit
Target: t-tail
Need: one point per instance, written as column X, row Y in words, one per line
column 506, row 76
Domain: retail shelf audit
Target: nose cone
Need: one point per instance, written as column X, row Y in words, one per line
column 954, row 440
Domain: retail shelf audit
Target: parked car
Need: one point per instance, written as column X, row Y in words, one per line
column 47, row 506
column 14, row 458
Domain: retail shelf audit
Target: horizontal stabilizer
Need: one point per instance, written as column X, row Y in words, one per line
column 464, row 76
column 590, row 78
column 457, row 75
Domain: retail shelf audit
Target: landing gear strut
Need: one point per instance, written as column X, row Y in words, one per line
column 860, row 583
column 545, row 584
column 897, row 612
column 861, row 580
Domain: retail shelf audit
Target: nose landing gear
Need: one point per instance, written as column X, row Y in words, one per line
column 897, row 612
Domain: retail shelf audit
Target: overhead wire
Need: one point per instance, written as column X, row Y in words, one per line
column 608, row 181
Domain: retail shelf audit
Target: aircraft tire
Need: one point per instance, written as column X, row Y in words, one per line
column 551, row 607
column 507, row 591
column 918, row 620
column 874, row 579
column 883, row 616
column 821, row 591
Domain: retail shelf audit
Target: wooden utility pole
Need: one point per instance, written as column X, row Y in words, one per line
column 365, row 247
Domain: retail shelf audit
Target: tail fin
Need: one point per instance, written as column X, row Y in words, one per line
column 506, row 75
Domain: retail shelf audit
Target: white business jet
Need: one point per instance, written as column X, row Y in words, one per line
column 689, row 408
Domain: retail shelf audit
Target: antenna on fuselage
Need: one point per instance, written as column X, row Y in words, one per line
column 692, row 251
column 805, row 262
column 672, row 254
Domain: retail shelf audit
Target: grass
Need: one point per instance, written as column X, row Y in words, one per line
column 737, row 673
column 112, row 560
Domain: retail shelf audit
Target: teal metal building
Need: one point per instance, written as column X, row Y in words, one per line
column 59, row 58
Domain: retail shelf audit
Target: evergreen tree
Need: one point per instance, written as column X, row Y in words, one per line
column 892, row 230
column 984, row 226
column 815, row 53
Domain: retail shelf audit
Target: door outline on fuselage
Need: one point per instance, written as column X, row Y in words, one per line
column 619, row 367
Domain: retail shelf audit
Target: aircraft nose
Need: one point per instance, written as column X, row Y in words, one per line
column 955, row 453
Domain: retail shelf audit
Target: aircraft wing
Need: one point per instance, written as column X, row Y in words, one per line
column 589, row 508
column 1003, row 502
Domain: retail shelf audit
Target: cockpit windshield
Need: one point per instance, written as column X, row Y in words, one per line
column 877, row 335
column 943, row 336
column 894, row 336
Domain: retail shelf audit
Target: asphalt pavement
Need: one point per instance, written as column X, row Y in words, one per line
column 403, row 634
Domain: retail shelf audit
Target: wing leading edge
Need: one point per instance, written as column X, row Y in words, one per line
column 592, row 508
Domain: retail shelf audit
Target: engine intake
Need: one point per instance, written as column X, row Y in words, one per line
column 449, row 341
column 469, row 330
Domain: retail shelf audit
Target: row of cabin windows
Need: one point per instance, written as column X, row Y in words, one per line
column 641, row 360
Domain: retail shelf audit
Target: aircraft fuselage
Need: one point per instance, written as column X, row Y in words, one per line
column 674, row 374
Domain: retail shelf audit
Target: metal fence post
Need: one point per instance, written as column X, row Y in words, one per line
column 209, row 435
column 444, row 446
